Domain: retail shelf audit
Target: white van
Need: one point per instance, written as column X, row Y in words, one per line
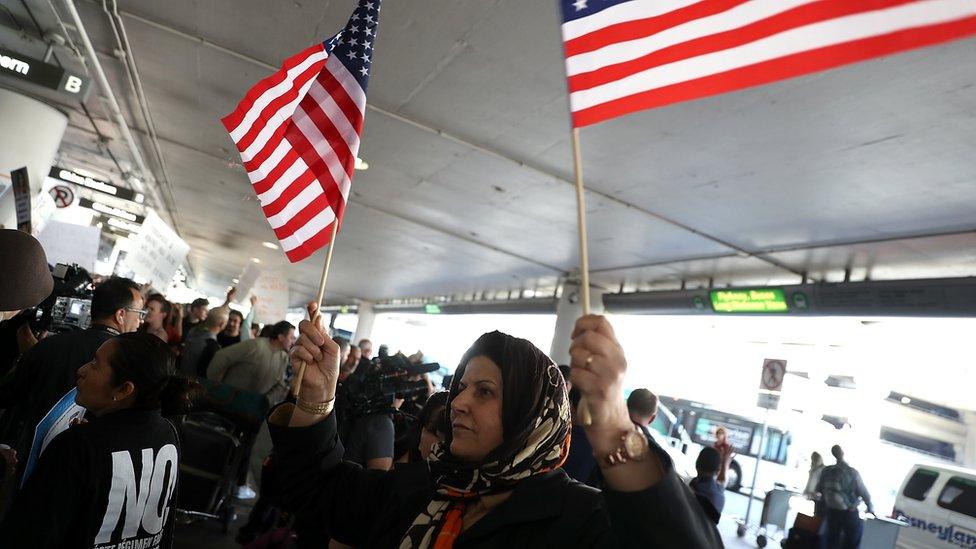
column 938, row 505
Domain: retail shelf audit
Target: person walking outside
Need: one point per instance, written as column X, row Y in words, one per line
column 841, row 490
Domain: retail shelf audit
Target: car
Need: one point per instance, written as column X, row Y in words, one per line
column 937, row 505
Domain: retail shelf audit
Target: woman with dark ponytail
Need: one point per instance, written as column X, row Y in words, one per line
column 109, row 481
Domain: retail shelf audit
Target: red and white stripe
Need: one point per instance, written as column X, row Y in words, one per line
column 649, row 53
column 298, row 132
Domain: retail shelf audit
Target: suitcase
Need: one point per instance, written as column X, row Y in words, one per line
column 801, row 539
column 209, row 461
column 805, row 533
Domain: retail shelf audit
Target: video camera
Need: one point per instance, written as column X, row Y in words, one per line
column 69, row 305
column 372, row 392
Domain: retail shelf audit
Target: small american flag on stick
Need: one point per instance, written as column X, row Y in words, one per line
column 298, row 133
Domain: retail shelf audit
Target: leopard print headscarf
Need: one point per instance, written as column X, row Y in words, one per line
column 536, row 421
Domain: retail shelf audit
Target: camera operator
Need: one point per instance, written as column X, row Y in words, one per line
column 48, row 371
column 25, row 281
column 369, row 441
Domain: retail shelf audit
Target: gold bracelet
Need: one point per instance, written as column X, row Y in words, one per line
column 315, row 408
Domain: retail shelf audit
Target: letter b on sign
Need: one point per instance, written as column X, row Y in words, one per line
column 73, row 84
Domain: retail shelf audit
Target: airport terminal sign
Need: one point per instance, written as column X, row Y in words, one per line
column 763, row 300
column 35, row 71
column 99, row 185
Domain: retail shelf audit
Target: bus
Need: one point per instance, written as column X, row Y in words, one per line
column 697, row 423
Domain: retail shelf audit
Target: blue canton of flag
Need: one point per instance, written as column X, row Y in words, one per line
column 299, row 130
column 576, row 9
column 353, row 45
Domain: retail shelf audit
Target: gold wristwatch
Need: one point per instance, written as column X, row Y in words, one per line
column 633, row 447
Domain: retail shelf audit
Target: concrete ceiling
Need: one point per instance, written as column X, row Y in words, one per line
column 868, row 168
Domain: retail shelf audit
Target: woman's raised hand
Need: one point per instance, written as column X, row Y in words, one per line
column 599, row 366
column 321, row 357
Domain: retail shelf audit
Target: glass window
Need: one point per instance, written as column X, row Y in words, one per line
column 919, row 485
column 773, row 446
column 662, row 425
column 959, row 495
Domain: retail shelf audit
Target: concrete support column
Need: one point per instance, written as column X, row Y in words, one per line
column 31, row 133
column 364, row 322
column 568, row 310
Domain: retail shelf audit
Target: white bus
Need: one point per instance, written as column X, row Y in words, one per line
column 696, row 424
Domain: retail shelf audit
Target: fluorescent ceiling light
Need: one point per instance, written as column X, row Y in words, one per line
column 255, row 260
column 270, row 245
column 361, row 164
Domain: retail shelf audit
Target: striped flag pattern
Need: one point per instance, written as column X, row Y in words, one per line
column 624, row 56
column 298, row 132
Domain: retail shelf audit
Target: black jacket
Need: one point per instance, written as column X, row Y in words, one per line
column 45, row 373
column 375, row 508
column 91, row 478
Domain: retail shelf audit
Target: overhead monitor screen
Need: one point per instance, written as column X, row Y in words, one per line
column 765, row 300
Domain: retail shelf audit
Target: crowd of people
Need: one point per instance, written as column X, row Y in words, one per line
column 365, row 452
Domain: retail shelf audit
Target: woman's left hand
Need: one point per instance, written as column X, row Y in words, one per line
column 599, row 366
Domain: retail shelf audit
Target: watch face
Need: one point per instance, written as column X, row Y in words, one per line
column 636, row 445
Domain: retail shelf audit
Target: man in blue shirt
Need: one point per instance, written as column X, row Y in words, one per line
column 709, row 485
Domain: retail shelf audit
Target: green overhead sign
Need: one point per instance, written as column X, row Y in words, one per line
column 432, row 309
column 766, row 300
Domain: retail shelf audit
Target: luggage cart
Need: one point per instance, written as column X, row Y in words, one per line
column 216, row 440
column 880, row 533
column 776, row 506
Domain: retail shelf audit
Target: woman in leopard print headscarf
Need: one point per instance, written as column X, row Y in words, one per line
column 495, row 481
column 535, row 431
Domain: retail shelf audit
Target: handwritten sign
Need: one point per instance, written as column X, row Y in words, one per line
column 272, row 292
column 157, row 251
column 245, row 283
column 67, row 243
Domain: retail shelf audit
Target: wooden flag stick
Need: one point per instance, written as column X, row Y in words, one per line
column 581, row 219
column 583, row 410
column 297, row 385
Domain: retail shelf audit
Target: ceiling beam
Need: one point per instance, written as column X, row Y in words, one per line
column 472, row 145
column 795, row 248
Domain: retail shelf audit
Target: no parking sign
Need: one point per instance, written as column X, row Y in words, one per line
column 63, row 196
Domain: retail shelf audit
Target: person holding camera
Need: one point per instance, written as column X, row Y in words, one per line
column 495, row 481
column 110, row 480
column 48, row 371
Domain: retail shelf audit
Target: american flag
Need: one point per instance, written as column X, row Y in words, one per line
column 624, row 56
column 298, row 132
